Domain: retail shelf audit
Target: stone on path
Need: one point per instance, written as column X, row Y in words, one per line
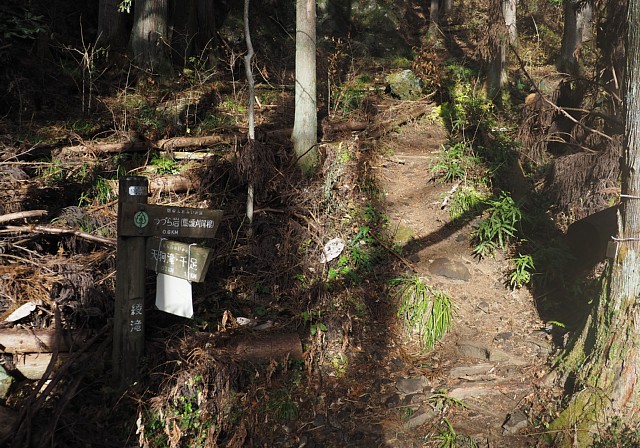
column 515, row 422
column 409, row 386
column 420, row 417
column 454, row 270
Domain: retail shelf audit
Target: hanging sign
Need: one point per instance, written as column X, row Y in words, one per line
column 186, row 261
column 166, row 221
column 173, row 295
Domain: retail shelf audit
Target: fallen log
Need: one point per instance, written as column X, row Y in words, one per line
column 34, row 365
column 266, row 347
column 22, row 215
column 413, row 112
column 167, row 144
column 15, row 340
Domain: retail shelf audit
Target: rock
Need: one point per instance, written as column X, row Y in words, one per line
column 501, row 337
column 409, row 386
column 392, row 401
column 515, row 422
column 5, row 383
column 496, row 355
column 474, row 390
column 471, row 373
column 475, row 350
column 484, row 307
column 404, row 85
column 450, row 269
column 420, row 417
column 539, row 341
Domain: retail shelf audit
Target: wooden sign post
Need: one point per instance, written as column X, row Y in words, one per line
column 129, row 315
column 143, row 230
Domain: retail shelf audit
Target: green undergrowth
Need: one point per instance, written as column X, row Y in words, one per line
column 422, row 309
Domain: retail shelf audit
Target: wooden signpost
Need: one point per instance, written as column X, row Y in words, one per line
column 143, row 230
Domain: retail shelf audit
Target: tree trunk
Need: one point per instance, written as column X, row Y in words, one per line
column 251, row 136
column 434, row 19
column 111, row 25
column 605, row 355
column 447, row 7
column 149, row 36
column 305, row 126
column 509, row 14
column 577, row 30
column 501, row 34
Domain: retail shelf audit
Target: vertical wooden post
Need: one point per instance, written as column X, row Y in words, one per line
column 129, row 315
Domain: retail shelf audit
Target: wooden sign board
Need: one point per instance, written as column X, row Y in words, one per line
column 186, row 261
column 165, row 221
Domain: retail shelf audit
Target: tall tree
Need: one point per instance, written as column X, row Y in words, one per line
column 305, row 126
column 194, row 25
column 577, row 30
column 111, row 24
column 502, row 33
column 149, row 36
column 605, row 355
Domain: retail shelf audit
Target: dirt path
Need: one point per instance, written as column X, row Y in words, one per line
column 494, row 360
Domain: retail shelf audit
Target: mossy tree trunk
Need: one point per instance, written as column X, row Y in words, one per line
column 605, row 356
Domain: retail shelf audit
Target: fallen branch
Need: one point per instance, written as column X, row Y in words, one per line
column 22, row 215
column 59, row 231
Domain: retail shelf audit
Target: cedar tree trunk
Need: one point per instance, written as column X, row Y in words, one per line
column 605, row 355
column 149, row 36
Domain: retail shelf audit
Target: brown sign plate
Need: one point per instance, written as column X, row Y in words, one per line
column 186, row 261
column 168, row 222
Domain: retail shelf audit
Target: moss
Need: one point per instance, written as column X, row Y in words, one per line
column 574, row 426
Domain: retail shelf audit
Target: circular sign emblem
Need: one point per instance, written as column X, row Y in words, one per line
column 141, row 219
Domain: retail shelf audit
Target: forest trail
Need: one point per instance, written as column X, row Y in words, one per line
column 494, row 361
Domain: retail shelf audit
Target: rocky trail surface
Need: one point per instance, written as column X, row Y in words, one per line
column 486, row 375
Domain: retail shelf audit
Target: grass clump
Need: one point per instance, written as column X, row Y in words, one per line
column 423, row 309
column 499, row 227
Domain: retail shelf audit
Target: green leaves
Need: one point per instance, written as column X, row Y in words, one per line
column 423, row 310
column 499, row 227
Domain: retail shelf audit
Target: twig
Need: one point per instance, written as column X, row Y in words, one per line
column 59, row 231
column 404, row 261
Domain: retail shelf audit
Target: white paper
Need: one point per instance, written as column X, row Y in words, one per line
column 332, row 250
column 173, row 295
column 22, row 312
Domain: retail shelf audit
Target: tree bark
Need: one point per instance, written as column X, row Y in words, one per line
column 502, row 33
column 149, row 41
column 577, row 30
column 434, row 19
column 111, row 25
column 305, row 126
column 605, row 355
